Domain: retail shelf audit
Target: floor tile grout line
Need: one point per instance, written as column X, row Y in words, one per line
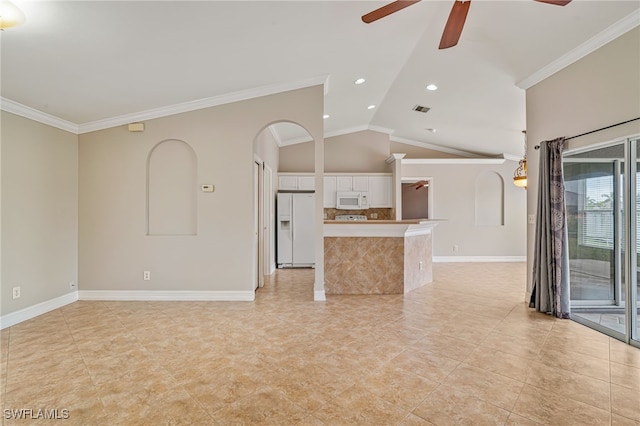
column 610, row 385
column 86, row 367
column 6, row 376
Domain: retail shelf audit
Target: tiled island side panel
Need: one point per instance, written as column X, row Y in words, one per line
column 418, row 248
column 364, row 265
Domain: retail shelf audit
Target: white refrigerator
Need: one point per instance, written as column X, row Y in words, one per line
column 295, row 224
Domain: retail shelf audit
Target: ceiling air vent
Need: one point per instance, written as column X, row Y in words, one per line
column 422, row 109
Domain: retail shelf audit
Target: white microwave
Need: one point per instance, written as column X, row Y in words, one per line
column 352, row 201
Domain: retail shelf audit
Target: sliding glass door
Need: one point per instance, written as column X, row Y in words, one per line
column 634, row 293
column 602, row 195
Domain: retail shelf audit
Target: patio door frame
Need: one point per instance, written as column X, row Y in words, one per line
column 625, row 222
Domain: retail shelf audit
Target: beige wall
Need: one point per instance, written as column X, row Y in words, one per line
column 39, row 211
column 297, row 158
column 114, row 250
column 601, row 89
column 453, row 188
column 358, row 152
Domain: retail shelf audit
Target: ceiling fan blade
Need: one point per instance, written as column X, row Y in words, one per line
column 387, row 10
column 556, row 2
column 455, row 23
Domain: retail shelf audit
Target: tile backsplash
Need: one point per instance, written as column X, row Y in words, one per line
column 382, row 213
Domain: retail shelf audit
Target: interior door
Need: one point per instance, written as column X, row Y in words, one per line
column 257, row 225
column 268, row 241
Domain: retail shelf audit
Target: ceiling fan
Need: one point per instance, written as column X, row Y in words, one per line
column 455, row 23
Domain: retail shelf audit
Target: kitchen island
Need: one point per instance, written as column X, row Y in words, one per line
column 377, row 256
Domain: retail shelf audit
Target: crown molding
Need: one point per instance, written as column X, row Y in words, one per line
column 614, row 31
column 461, row 161
column 242, row 95
column 346, row 131
column 275, row 135
column 41, row 117
column 295, row 141
column 433, row 147
column 24, row 111
column 511, row 157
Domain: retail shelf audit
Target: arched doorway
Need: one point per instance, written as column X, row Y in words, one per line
column 297, row 146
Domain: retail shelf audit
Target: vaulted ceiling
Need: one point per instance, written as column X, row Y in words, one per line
column 92, row 64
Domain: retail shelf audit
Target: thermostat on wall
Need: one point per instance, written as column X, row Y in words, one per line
column 207, row 187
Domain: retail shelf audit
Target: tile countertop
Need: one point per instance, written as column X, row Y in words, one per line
column 378, row 228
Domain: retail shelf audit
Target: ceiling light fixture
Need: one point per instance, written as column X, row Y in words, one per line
column 10, row 15
column 432, row 87
column 520, row 174
column 371, row 107
column 360, row 81
column 432, row 130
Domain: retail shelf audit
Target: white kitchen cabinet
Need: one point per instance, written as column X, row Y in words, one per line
column 378, row 186
column 307, row 183
column 361, row 183
column 330, row 192
column 344, row 183
column 296, row 182
column 287, row 182
column 380, row 191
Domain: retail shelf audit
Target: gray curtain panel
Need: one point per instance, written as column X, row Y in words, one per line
column 550, row 292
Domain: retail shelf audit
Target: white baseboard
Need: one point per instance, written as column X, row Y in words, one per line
column 144, row 295
column 446, row 259
column 33, row 311
column 318, row 296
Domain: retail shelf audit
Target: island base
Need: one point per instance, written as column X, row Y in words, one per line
column 377, row 265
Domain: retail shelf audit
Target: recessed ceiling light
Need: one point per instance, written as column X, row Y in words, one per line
column 360, row 81
column 326, row 116
column 432, row 87
column 371, row 107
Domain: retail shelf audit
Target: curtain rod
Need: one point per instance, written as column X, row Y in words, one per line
column 597, row 130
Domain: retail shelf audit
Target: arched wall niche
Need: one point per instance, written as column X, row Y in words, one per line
column 489, row 192
column 172, row 176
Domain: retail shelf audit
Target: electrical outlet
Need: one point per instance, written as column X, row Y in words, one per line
column 72, row 285
column 421, row 266
column 531, row 219
column 374, row 215
column 455, row 248
column 146, row 275
column 16, row 292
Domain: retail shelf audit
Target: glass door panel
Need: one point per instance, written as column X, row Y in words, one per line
column 594, row 186
column 634, row 293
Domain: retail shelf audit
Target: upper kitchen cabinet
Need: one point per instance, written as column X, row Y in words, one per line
column 296, row 182
column 361, row 183
column 352, row 183
column 330, row 192
column 378, row 186
column 344, row 183
column 380, row 191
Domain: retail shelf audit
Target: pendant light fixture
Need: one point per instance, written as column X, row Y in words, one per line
column 10, row 15
column 520, row 175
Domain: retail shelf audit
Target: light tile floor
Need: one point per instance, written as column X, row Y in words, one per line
column 462, row 350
